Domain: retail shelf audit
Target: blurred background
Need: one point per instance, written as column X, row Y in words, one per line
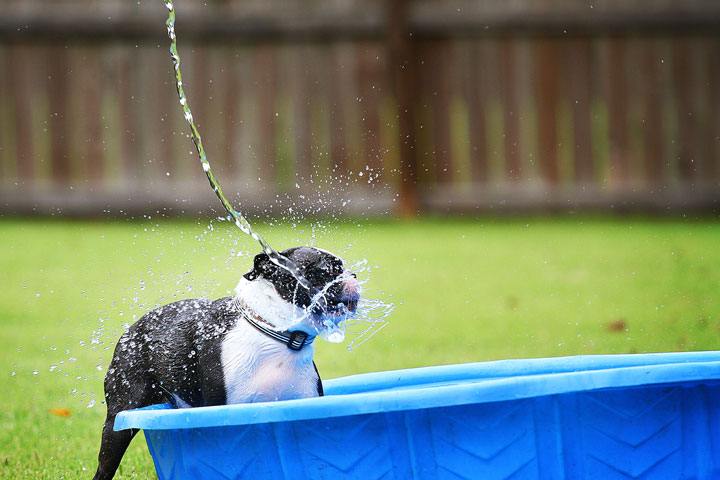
column 453, row 106
column 520, row 178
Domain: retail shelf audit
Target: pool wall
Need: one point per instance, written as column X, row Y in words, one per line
column 651, row 416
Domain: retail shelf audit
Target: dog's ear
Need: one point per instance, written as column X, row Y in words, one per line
column 261, row 265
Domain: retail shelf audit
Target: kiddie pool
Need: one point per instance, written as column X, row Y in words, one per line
column 650, row 416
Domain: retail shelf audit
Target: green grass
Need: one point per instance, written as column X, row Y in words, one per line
column 464, row 291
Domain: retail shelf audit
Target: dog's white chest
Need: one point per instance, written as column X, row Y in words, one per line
column 257, row 368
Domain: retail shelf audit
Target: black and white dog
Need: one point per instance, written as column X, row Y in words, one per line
column 200, row 352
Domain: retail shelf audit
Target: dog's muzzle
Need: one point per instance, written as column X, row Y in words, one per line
column 338, row 304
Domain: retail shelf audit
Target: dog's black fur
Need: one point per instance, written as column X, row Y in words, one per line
column 173, row 353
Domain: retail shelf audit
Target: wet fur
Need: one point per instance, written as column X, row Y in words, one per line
column 196, row 353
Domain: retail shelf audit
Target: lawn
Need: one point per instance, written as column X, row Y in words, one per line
column 464, row 290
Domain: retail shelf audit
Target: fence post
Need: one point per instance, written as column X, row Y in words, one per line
column 401, row 52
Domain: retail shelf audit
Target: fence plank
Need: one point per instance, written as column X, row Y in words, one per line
column 687, row 125
column 266, row 97
column 713, row 62
column 546, row 58
column 7, row 161
column 337, row 104
column 18, row 68
column 438, row 59
column 58, row 94
column 616, row 98
column 511, row 113
column 577, row 63
column 302, row 98
column 126, row 86
column 474, row 92
column 230, row 90
column 90, row 81
column 654, row 158
column 369, row 73
column 403, row 65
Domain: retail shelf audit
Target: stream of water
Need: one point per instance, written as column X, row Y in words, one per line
column 370, row 312
column 235, row 216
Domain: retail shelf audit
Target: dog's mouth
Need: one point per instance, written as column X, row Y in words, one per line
column 334, row 310
column 337, row 301
column 342, row 305
column 333, row 306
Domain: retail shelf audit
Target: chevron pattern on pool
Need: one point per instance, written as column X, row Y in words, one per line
column 661, row 432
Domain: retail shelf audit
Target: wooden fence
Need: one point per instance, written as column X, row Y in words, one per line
column 397, row 106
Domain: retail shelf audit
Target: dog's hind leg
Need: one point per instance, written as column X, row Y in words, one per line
column 112, row 449
column 125, row 388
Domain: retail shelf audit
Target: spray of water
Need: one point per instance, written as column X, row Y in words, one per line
column 233, row 215
column 369, row 313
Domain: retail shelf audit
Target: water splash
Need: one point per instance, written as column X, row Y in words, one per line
column 233, row 215
column 364, row 323
column 332, row 326
column 371, row 313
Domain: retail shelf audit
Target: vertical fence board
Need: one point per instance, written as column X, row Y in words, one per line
column 494, row 114
column 92, row 114
column 369, row 72
column 7, row 167
column 438, row 60
column 616, row 98
column 109, row 108
column 547, row 101
column 58, row 94
column 509, row 93
column 474, row 87
column 337, row 110
column 230, row 90
column 577, row 61
column 687, row 127
column 18, row 68
column 126, row 85
column 246, row 133
column 285, row 171
column 266, row 96
column 654, row 158
column 302, row 96
column 165, row 105
column 713, row 62
column 402, row 70
column 702, row 101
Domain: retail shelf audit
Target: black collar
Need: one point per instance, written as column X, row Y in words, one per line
column 294, row 340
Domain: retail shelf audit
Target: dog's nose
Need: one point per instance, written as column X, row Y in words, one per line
column 350, row 288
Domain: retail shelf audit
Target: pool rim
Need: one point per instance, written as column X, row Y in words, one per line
column 445, row 386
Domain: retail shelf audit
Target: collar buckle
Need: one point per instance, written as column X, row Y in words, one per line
column 297, row 340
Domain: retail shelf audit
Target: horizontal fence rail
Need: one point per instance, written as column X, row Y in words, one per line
column 362, row 106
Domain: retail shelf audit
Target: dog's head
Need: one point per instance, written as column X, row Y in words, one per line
column 336, row 289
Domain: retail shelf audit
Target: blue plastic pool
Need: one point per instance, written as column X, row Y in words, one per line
column 654, row 416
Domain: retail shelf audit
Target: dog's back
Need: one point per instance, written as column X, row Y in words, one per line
column 175, row 350
column 170, row 354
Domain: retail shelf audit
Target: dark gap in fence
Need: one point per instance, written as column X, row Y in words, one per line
column 403, row 65
column 546, row 61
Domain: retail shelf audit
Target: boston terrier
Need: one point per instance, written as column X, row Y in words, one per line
column 236, row 349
